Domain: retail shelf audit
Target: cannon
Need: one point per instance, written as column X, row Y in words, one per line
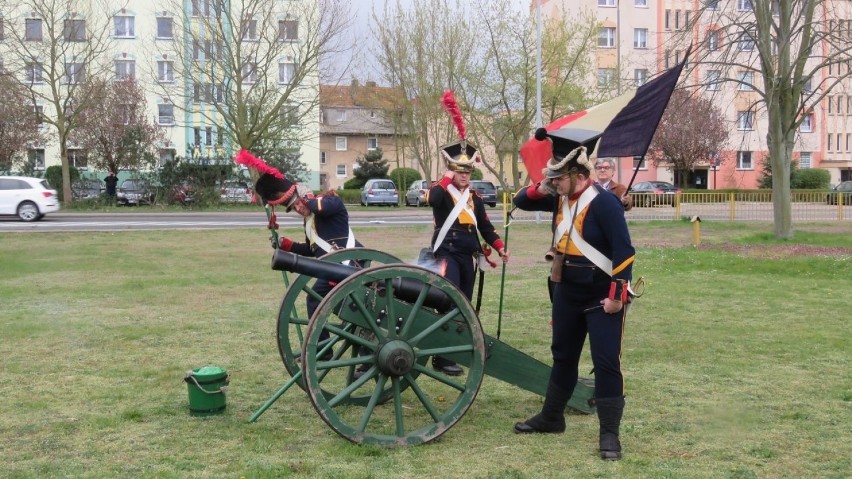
column 387, row 319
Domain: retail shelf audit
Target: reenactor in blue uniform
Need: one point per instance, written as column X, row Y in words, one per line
column 460, row 218
column 590, row 275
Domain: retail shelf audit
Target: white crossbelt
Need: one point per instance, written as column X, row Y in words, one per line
column 313, row 237
column 461, row 204
column 589, row 251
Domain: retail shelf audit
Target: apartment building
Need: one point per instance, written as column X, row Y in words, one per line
column 354, row 120
column 159, row 45
column 639, row 38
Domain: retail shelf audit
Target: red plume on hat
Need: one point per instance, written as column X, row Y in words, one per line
column 245, row 158
column 452, row 107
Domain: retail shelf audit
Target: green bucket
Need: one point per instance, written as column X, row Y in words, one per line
column 207, row 388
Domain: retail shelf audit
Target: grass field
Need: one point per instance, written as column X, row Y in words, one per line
column 738, row 361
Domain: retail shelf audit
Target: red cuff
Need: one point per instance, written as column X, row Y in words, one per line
column 532, row 192
column 499, row 244
column 286, row 243
column 445, row 182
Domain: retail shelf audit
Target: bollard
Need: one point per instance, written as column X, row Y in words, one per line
column 696, row 231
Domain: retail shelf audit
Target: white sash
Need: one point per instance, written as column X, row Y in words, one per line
column 313, row 237
column 461, row 204
column 589, row 251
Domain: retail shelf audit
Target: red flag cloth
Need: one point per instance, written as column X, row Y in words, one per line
column 628, row 123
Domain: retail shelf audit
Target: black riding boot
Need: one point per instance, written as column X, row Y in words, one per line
column 552, row 415
column 609, row 415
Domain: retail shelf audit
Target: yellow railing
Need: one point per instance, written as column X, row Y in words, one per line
column 805, row 205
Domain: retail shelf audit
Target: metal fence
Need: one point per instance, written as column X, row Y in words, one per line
column 727, row 206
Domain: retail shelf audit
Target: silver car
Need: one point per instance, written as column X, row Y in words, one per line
column 416, row 193
column 379, row 192
column 235, row 192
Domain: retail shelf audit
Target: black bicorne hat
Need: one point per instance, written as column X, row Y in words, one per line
column 280, row 190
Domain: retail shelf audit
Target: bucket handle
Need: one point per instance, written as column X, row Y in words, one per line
column 223, row 389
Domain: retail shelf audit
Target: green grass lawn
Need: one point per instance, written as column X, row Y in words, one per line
column 737, row 360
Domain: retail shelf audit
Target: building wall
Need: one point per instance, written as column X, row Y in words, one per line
column 665, row 20
column 193, row 122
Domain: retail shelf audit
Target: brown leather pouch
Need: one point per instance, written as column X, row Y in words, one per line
column 556, row 267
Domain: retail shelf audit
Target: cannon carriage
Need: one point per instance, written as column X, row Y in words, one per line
column 363, row 357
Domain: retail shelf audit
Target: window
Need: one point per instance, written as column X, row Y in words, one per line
column 323, row 159
column 36, row 157
column 746, row 81
column 807, row 87
column 805, row 159
column 249, row 72
column 286, row 72
column 341, row 170
column 165, row 71
column 74, row 30
column 807, row 125
column 32, row 30
column 605, row 77
column 744, row 5
column 744, row 160
column 125, row 26
column 201, row 8
column 828, row 142
column 830, row 101
column 606, row 3
column 745, row 120
column 677, row 20
column 341, row 116
column 640, row 161
column 165, row 27
column 712, row 4
column 78, row 158
column 288, row 30
column 340, row 143
column 606, row 37
column 75, row 73
column 249, row 29
column 746, row 43
column 290, row 114
column 372, row 144
column 166, row 155
column 640, row 3
column 39, row 111
column 166, row 114
column 713, row 80
column 208, row 136
column 713, row 40
column 640, row 76
column 34, row 73
column 840, row 104
column 668, row 20
column 640, row 38
column 125, row 69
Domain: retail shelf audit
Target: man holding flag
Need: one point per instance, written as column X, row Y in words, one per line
column 593, row 256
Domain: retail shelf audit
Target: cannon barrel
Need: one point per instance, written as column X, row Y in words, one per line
column 406, row 289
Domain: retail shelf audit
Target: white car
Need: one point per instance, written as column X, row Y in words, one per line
column 235, row 192
column 27, row 198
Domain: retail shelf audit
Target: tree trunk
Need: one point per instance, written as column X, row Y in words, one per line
column 780, row 155
column 67, row 197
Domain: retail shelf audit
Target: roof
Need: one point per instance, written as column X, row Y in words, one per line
column 356, row 95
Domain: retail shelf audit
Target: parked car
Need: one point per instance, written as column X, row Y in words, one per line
column 651, row 193
column 416, row 193
column 844, row 189
column 87, row 188
column 379, row 192
column 183, row 193
column 135, row 192
column 27, row 198
column 235, row 192
column 487, row 191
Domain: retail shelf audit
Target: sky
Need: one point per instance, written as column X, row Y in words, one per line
column 360, row 34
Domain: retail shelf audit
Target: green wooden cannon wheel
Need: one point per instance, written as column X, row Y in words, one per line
column 292, row 315
column 425, row 403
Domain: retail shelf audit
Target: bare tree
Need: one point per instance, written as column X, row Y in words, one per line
column 116, row 130
column 252, row 66
column 790, row 55
column 424, row 49
column 62, row 43
column 501, row 84
column 692, row 131
column 19, row 122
